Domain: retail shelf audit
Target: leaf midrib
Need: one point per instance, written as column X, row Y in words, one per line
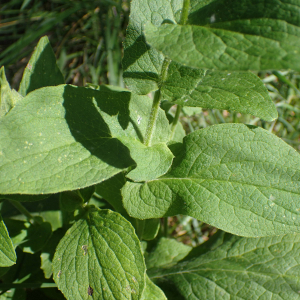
column 220, row 180
column 228, row 271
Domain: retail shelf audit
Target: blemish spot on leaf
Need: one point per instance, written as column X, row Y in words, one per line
column 58, row 274
column 213, row 18
column 128, row 288
column 29, row 66
column 134, row 279
column 139, row 119
column 272, row 198
column 85, row 249
column 90, row 291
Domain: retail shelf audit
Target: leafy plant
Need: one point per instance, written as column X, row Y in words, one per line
column 72, row 147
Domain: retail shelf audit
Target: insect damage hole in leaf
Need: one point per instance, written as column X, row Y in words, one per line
column 90, row 291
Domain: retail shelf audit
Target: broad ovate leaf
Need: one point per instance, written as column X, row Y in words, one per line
column 238, row 178
column 152, row 161
column 6, row 95
column 103, row 248
column 167, row 253
column 244, row 35
column 41, row 70
column 151, row 229
column 55, row 140
column 240, row 268
column 238, row 91
column 142, row 64
column 152, row 291
column 7, row 251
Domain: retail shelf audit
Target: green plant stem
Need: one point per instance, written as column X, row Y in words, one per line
column 183, row 19
column 156, row 103
column 184, row 12
column 22, row 209
column 175, row 121
column 152, row 119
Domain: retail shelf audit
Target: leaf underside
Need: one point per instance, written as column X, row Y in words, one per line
column 240, row 268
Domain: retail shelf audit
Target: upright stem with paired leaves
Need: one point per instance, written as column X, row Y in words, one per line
column 156, row 103
column 184, row 12
column 155, row 108
column 163, row 77
column 183, row 20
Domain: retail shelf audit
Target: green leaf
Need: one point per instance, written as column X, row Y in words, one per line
column 70, row 201
column 142, row 64
column 191, row 111
column 48, row 252
column 240, row 268
column 26, row 270
column 24, row 198
column 151, row 229
column 238, row 91
column 31, row 238
column 110, row 190
column 61, row 127
column 239, row 178
column 77, row 130
column 208, row 12
column 6, row 95
column 7, row 252
column 41, row 71
column 250, row 44
column 103, row 248
column 167, row 253
column 152, row 291
column 179, row 134
column 242, row 92
column 14, row 294
column 132, row 120
column 152, row 161
column 86, row 193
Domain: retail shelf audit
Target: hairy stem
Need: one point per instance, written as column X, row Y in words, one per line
column 152, row 119
column 175, row 121
column 163, row 77
column 183, row 19
column 184, row 12
column 156, row 104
